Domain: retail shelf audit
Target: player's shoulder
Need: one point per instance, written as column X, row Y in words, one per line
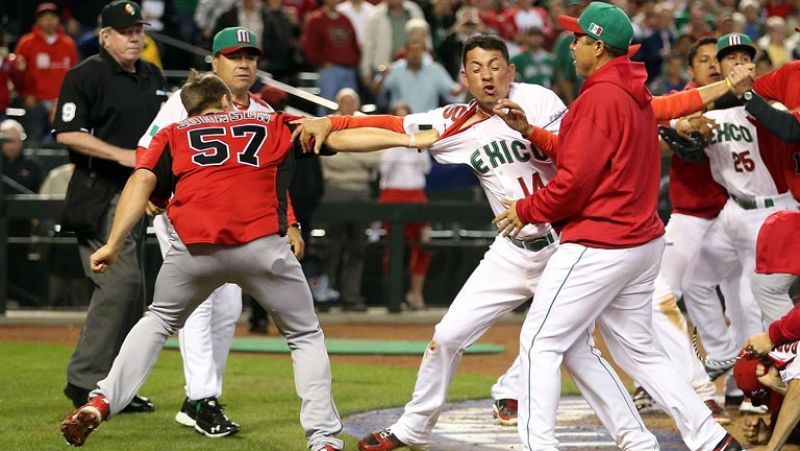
column 531, row 94
column 260, row 104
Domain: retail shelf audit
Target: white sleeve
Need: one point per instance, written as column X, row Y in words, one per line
column 171, row 111
column 413, row 123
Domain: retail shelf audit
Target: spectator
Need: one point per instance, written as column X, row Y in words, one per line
column 347, row 178
column 566, row 79
column 535, row 64
column 281, row 57
column 10, row 75
column 763, row 64
column 21, row 175
column 403, row 172
column 358, row 12
column 490, row 16
column 754, row 26
column 698, row 25
column 440, row 15
column 101, row 132
column 244, row 13
column 657, row 37
column 468, row 23
column 330, row 45
column 206, row 15
column 386, row 27
column 683, row 44
column 774, row 43
column 524, row 17
column 416, row 82
column 673, row 78
column 299, row 10
column 47, row 54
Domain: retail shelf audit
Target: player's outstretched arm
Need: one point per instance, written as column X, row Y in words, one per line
column 369, row 139
column 788, row 417
column 131, row 207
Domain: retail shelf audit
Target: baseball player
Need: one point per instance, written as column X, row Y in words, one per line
column 487, row 135
column 749, row 162
column 603, row 269
column 242, row 203
column 205, row 339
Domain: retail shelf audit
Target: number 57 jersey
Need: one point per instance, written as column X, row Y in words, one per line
column 229, row 173
column 507, row 165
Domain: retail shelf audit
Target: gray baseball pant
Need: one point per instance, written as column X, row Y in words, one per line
column 265, row 268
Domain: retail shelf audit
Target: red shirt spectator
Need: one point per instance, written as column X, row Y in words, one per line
column 329, row 38
column 8, row 73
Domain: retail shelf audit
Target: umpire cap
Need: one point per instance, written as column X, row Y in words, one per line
column 122, row 14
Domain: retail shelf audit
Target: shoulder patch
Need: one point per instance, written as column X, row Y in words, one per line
column 153, row 130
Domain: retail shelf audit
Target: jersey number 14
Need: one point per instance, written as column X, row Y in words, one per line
column 536, row 184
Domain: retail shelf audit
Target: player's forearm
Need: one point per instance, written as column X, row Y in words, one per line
column 544, row 140
column 367, row 139
column 89, row 145
column 384, row 121
column 131, row 206
column 788, row 417
column 783, row 124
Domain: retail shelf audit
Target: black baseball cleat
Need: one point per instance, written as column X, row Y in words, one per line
column 187, row 416
column 139, row 404
column 728, row 443
column 211, row 420
column 78, row 395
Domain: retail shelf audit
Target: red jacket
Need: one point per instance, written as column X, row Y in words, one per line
column 46, row 64
column 330, row 38
column 605, row 191
column 786, row 329
column 9, row 73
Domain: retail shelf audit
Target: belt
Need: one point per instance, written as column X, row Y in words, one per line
column 751, row 204
column 536, row 244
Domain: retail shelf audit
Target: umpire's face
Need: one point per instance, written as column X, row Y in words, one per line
column 236, row 69
column 124, row 44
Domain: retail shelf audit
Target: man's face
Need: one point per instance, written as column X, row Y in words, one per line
column 237, row 70
column 732, row 59
column 584, row 50
column 705, row 67
column 487, row 76
column 48, row 22
column 414, row 53
column 348, row 105
column 125, row 44
column 11, row 144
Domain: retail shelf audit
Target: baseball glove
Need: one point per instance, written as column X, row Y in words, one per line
column 688, row 149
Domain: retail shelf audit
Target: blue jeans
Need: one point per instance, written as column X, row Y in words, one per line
column 332, row 80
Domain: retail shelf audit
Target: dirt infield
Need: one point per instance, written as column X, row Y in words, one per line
column 487, row 364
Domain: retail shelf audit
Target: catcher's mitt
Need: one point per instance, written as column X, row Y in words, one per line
column 687, row 149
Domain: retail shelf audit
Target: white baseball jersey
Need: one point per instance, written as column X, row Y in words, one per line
column 736, row 162
column 173, row 111
column 507, row 165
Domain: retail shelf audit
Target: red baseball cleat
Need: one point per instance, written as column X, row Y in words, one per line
column 505, row 411
column 329, row 448
column 383, row 440
column 83, row 420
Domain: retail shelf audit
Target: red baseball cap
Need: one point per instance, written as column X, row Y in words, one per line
column 633, row 50
column 744, row 372
column 46, row 7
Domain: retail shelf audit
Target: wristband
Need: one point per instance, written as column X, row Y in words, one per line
column 728, row 82
column 413, row 141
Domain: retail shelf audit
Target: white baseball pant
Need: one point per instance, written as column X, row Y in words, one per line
column 206, row 337
column 613, row 287
column 504, row 279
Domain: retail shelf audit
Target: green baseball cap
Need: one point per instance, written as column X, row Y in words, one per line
column 734, row 41
column 603, row 22
column 231, row 39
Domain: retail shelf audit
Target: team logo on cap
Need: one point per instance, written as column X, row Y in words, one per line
column 129, row 9
column 734, row 39
column 595, row 29
column 242, row 35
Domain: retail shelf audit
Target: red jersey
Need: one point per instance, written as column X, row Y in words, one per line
column 229, row 173
column 692, row 190
column 47, row 63
column 605, row 191
column 778, row 245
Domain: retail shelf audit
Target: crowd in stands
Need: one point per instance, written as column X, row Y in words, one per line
column 385, row 52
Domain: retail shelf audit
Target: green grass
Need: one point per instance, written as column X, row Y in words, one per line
column 259, row 391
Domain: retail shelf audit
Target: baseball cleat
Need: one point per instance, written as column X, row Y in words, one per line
column 383, row 440
column 211, row 420
column 747, row 408
column 187, row 416
column 329, row 448
column 505, row 411
column 728, row 443
column 718, row 412
column 642, row 400
column 139, row 404
column 85, row 419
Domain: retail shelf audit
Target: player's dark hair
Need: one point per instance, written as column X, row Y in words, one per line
column 694, row 48
column 485, row 42
column 201, row 92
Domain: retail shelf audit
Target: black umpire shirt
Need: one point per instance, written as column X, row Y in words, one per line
column 116, row 106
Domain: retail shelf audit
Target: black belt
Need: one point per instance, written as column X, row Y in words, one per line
column 751, row 204
column 534, row 245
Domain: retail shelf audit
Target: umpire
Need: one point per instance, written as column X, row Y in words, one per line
column 106, row 104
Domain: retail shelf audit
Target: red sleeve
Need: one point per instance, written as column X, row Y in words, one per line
column 147, row 158
column 772, row 85
column 385, row 121
column 576, row 176
column 677, row 105
column 545, row 141
column 22, row 50
column 786, row 329
column 312, row 46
